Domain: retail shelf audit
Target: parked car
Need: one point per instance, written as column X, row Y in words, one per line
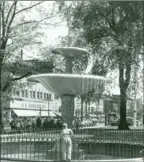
column 138, row 123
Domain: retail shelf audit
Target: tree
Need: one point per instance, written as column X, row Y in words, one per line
column 116, row 28
column 19, row 29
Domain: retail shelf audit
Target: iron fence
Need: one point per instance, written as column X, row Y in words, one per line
column 87, row 144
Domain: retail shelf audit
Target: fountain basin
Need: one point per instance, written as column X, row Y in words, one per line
column 71, row 52
column 70, row 84
column 39, row 151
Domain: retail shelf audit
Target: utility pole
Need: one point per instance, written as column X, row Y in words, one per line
column 82, row 108
column 48, row 107
column 143, row 87
column 40, row 112
column 21, row 54
column 1, row 56
column 1, row 108
column 135, row 96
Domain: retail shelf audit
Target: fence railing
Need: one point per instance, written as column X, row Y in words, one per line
column 87, row 144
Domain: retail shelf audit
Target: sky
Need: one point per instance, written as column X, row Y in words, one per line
column 51, row 33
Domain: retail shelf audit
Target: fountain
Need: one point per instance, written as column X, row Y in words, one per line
column 69, row 85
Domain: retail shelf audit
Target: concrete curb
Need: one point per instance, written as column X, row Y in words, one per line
column 113, row 160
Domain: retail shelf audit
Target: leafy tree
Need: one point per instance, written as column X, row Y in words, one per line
column 19, row 29
column 114, row 28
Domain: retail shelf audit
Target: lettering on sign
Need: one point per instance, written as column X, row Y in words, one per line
column 30, row 105
column 33, row 105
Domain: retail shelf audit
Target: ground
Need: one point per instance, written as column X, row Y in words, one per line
column 115, row 127
column 130, row 160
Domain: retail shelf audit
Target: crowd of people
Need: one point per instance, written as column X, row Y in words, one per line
column 35, row 123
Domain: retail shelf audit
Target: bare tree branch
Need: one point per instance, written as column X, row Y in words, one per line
column 34, row 21
column 27, row 8
column 2, row 17
column 48, row 17
column 9, row 25
column 7, row 17
column 15, row 79
column 24, row 23
column 21, row 77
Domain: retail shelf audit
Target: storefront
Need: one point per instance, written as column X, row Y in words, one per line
column 30, row 108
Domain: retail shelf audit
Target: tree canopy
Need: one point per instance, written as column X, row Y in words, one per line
column 114, row 30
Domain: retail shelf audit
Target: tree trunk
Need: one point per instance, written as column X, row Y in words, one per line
column 123, row 123
column 1, row 109
column 123, row 98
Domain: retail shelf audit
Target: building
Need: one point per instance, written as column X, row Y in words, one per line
column 31, row 99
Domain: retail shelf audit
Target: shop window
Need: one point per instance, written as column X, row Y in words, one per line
column 34, row 94
column 31, row 94
column 38, row 95
column 92, row 109
column 18, row 93
column 48, row 96
column 45, row 96
column 22, row 93
column 26, row 93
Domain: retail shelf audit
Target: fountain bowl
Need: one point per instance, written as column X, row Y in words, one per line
column 71, row 52
column 70, row 84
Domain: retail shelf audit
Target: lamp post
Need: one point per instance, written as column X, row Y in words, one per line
column 40, row 112
column 135, row 96
column 48, row 107
column 1, row 108
column 143, row 86
column 82, row 108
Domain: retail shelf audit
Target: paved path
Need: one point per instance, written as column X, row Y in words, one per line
column 112, row 127
column 119, row 160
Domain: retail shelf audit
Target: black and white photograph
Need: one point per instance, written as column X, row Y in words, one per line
column 71, row 81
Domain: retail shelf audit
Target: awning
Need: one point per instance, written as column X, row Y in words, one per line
column 23, row 113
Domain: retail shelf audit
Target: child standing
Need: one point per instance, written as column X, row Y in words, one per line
column 66, row 142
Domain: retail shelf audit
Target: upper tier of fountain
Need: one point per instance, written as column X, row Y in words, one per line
column 70, row 52
column 70, row 84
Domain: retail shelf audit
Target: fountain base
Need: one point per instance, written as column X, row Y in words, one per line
column 68, row 109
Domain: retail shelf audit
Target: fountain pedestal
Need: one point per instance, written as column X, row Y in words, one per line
column 68, row 109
